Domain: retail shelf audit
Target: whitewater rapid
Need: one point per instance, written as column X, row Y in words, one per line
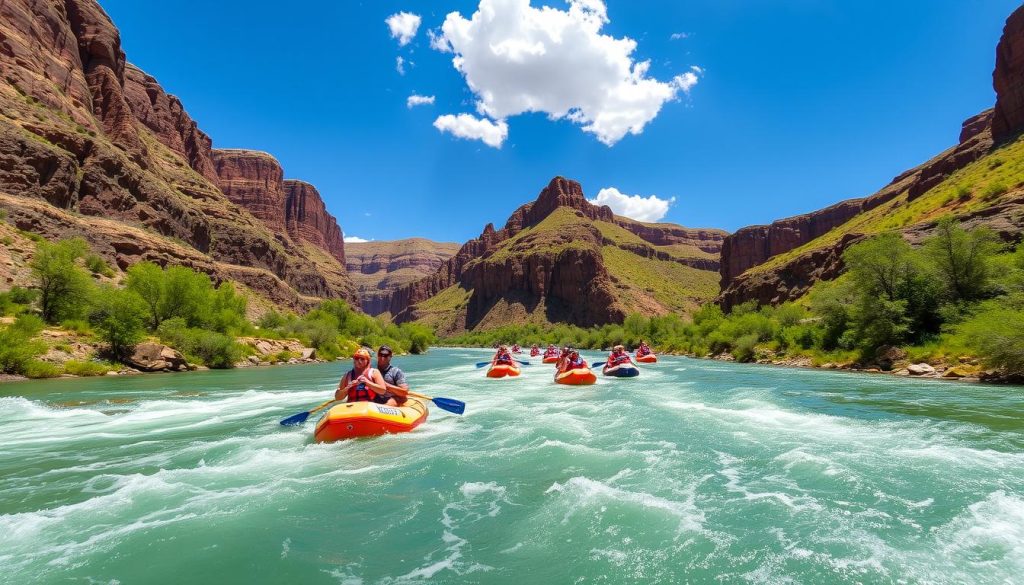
column 693, row 472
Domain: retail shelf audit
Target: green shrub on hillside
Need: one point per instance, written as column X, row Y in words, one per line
column 63, row 284
column 209, row 348
column 119, row 317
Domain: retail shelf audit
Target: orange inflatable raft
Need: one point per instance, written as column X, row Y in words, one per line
column 577, row 377
column 366, row 419
column 550, row 359
column 647, row 359
column 502, row 370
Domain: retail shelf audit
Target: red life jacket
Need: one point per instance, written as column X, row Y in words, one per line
column 615, row 360
column 503, row 358
column 361, row 392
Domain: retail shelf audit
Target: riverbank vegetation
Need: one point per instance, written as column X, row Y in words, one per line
column 958, row 300
column 78, row 300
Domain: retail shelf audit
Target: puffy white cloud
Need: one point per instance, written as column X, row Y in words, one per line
column 636, row 207
column 355, row 240
column 518, row 59
column 403, row 26
column 419, row 100
column 400, row 65
column 473, row 128
column 438, row 42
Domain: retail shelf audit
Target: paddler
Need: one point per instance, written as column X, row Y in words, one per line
column 618, row 357
column 362, row 383
column 643, row 349
column 571, row 360
column 503, row 357
column 394, row 378
column 534, row 351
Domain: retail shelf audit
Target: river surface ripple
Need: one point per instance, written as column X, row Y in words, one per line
column 694, row 472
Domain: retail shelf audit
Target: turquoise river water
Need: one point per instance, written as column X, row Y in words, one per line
column 694, row 472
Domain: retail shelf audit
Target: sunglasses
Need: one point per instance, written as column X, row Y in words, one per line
column 383, row 355
column 361, row 358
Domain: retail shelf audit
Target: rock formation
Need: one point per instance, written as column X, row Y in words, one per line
column 307, row 219
column 556, row 271
column 753, row 246
column 95, row 137
column 378, row 269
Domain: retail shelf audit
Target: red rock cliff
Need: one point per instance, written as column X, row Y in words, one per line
column 307, row 219
column 1008, row 79
column 253, row 180
column 87, row 133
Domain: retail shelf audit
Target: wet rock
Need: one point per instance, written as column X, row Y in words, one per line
column 953, row 373
column 888, row 355
column 920, row 369
column 307, row 353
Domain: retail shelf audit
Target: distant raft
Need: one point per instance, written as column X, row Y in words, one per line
column 550, row 359
column 649, row 358
column 367, row 419
column 502, row 370
column 622, row 371
column 576, row 377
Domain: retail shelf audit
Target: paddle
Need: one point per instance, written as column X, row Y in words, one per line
column 298, row 419
column 482, row 364
column 449, row 404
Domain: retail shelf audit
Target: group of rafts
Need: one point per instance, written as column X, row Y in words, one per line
column 570, row 368
column 363, row 419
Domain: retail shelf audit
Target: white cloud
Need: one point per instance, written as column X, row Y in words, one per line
column 419, row 100
column 438, row 42
column 400, row 65
column 355, row 240
column 403, row 26
column 679, row 36
column 636, row 207
column 473, row 128
column 518, row 59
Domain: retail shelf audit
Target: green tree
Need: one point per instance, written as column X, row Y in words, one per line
column 119, row 316
column 17, row 348
column 962, row 259
column 147, row 281
column 63, row 284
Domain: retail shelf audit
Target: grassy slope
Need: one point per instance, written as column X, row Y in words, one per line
column 979, row 185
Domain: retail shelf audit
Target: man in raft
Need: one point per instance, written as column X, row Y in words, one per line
column 618, row 357
column 551, row 351
column 363, row 383
column 534, row 351
column 643, row 349
column 571, row 360
column 394, row 378
column 503, row 357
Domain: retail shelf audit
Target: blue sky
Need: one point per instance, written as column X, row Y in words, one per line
column 797, row 104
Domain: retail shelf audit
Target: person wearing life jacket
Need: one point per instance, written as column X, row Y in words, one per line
column 534, row 351
column 362, row 383
column 503, row 357
column 643, row 349
column 618, row 357
column 551, row 351
column 516, row 348
column 571, row 361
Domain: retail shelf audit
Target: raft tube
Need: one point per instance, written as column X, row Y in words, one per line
column 647, row 359
column 502, row 370
column 577, row 377
column 622, row 371
column 367, row 419
column 550, row 359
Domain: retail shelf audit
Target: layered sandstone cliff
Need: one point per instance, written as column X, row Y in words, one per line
column 378, row 269
column 93, row 136
column 808, row 256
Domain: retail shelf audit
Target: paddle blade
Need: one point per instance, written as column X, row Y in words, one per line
column 523, row 363
column 296, row 419
column 482, row 364
column 450, row 404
